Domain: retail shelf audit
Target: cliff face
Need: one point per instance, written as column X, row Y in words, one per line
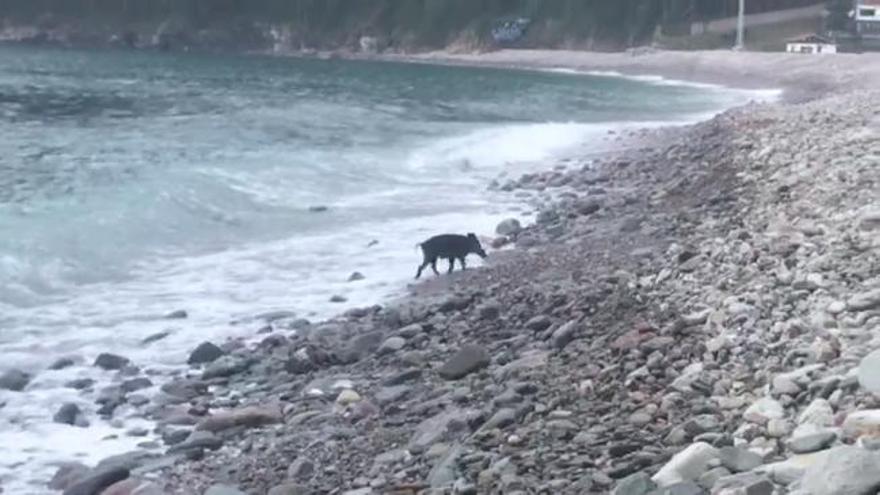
column 395, row 25
column 280, row 25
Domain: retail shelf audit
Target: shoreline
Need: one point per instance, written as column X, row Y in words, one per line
column 542, row 319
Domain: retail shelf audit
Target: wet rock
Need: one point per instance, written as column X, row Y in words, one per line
column 687, row 465
column 206, row 352
column 129, row 460
column 135, row 384
column 468, row 359
column 402, row 377
column 80, row 383
column 111, row 362
column 846, row 471
column 70, row 414
column 338, row 299
column 739, row 460
column 247, row 417
column 61, row 363
column 509, row 227
column 539, row 323
column 805, row 444
column 433, row 429
column 185, row 389
column 587, row 207
column 355, row 276
column 318, row 208
column 634, row 484
column 155, row 337
column 67, row 474
column 179, row 314
column 14, row 380
column 95, row 482
column 745, row 483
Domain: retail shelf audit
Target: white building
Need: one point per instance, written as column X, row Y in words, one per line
column 867, row 17
column 812, row 44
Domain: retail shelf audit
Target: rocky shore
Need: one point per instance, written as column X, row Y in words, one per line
column 695, row 315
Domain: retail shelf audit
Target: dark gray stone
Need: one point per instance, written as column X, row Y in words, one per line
column 61, row 363
column 224, row 367
column 403, row 377
column 68, row 473
column 198, row 440
column 111, row 362
column 302, row 469
column 14, row 380
column 290, row 489
column 95, row 482
column 80, row 383
column 67, row 414
column 177, row 315
column 468, row 359
column 206, row 352
column 389, row 395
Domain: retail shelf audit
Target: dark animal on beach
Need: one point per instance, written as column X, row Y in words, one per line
column 452, row 247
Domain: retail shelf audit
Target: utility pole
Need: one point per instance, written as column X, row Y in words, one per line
column 740, row 25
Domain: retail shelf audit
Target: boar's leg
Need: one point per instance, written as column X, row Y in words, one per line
column 451, row 264
column 434, row 266
column 421, row 267
column 463, row 265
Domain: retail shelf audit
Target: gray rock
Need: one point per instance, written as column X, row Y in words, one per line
column 62, row 363
column 80, row 383
column 444, row 471
column 539, row 323
column 179, row 314
column 783, row 385
column 135, row 384
column 223, row 490
column 635, row 484
column 68, row 473
column 302, row 469
column 391, row 345
column 290, row 489
column 67, row 414
column 403, row 377
column 95, row 482
column 687, row 465
column 509, row 227
column 739, row 460
column 206, row 352
column 869, row 372
column 710, row 477
column 111, row 362
column 846, row 471
column 811, row 443
column 468, row 359
column 14, row 380
column 129, row 460
column 435, row 428
column 225, row 366
column 338, row 299
column 355, row 276
column 174, row 436
column 502, row 418
column 564, row 334
column 155, row 337
column 248, row 417
column 745, row 483
column 197, row 440
column 389, row 395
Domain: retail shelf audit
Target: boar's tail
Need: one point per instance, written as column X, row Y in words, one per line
column 419, row 245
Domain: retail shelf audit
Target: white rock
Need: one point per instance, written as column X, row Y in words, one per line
column 869, row 372
column 836, row 307
column 784, row 385
column 348, row 397
column 778, row 428
column 864, row 301
column 793, row 468
column 862, row 423
column 818, row 413
column 687, row 465
column 763, row 411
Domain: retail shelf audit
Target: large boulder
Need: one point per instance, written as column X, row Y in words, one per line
column 95, row 482
column 111, row 362
column 687, row 465
column 248, row 417
column 846, row 471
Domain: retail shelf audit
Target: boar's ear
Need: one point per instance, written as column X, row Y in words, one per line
column 471, row 235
